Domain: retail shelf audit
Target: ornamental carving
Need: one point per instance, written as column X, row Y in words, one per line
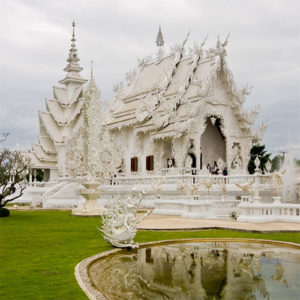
column 237, row 161
column 92, row 152
column 119, row 224
column 75, row 158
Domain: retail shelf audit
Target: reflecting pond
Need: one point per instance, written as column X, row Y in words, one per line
column 204, row 270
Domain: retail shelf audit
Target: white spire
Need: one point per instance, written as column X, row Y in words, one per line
column 73, row 51
column 159, row 39
column 73, row 68
column 92, row 71
column 92, row 86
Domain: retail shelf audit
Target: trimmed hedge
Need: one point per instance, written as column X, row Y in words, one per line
column 4, row 212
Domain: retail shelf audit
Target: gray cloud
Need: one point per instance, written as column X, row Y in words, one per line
column 35, row 37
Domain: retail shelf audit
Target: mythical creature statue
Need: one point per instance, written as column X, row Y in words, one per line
column 245, row 188
column 192, row 188
column 120, row 224
column 189, row 188
column 208, row 184
column 157, row 185
column 277, row 181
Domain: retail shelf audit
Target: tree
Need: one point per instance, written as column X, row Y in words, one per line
column 13, row 169
column 4, row 136
column 263, row 156
column 277, row 162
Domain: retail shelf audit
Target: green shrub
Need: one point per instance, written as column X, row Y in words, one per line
column 4, row 212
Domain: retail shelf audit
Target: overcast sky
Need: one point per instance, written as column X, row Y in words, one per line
column 263, row 50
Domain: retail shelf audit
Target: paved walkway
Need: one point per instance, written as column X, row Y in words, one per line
column 164, row 222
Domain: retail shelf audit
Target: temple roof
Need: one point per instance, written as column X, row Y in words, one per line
column 51, row 127
column 42, row 155
column 61, row 94
column 37, row 163
column 166, row 90
column 47, row 144
column 158, row 86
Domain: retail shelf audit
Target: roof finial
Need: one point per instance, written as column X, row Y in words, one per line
column 73, row 68
column 92, row 71
column 73, row 51
column 159, row 39
column 73, row 25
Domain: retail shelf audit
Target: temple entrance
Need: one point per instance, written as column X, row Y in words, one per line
column 167, row 154
column 192, row 160
column 213, row 143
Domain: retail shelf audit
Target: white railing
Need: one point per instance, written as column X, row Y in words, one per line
column 180, row 171
column 42, row 183
column 186, row 178
column 255, row 212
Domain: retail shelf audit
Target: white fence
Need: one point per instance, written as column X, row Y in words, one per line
column 187, row 178
column 267, row 212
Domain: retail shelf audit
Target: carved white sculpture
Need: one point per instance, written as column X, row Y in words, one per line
column 157, row 186
column 92, row 154
column 220, row 163
column 237, row 162
column 119, row 224
column 268, row 166
column 188, row 162
column 277, row 182
column 257, row 170
column 208, row 184
column 170, row 163
column 246, row 187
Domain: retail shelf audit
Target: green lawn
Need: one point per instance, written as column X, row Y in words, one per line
column 39, row 250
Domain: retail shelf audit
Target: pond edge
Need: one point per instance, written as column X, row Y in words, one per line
column 82, row 268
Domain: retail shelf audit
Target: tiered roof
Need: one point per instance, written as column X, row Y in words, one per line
column 59, row 120
column 164, row 95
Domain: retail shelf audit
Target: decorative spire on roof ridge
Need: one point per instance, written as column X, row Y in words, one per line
column 160, row 39
column 73, row 51
column 92, row 71
column 160, row 46
column 220, row 47
column 92, row 86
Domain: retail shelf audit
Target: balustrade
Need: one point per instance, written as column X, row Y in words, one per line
column 179, row 175
column 269, row 212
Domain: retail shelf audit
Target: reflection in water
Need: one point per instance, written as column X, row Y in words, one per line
column 210, row 270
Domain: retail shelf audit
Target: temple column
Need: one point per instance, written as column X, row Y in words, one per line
column 158, row 156
column 228, row 154
column 179, row 151
column 30, row 176
column 197, row 151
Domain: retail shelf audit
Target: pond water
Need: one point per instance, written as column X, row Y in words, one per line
column 204, row 270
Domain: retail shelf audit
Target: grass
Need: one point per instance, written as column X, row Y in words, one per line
column 39, row 250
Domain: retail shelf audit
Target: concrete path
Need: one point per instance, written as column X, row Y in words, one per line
column 164, row 222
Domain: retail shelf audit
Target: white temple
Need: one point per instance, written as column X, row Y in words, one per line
column 176, row 114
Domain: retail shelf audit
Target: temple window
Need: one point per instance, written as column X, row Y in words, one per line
column 150, row 163
column 134, row 164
